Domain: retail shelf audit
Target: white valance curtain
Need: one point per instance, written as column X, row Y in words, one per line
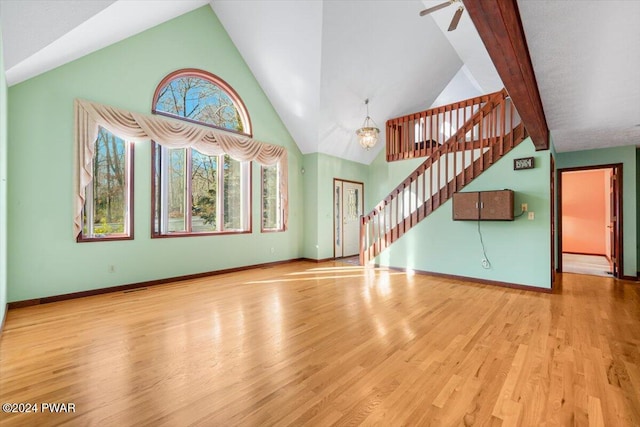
column 172, row 133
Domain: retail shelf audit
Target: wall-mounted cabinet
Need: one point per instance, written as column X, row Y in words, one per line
column 483, row 206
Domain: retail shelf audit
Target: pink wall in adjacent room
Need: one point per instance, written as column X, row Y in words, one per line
column 584, row 207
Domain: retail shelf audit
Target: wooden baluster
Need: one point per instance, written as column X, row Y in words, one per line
column 482, row 131
column 398, row 140
column 361, row 253
column 503, row 116
column 387, row 213
column 414, row 137
column 371, row 231
column 410, row 202
column 427, row 142
column 423, row 208
column 471, row 153
column 406, row 195
column 378, row 229
column 395, row 221
column 455, row 161
column 431, row 187
column 403, row 209
column 391, row 130
column 399, row 211
column 364, row 230
column 496, row 129
column 414, row 199
column 370, row 235
column 439, row 182
column 446, row 168
column 438, row 139
column 511, row 142
column 394, row 139
column 423, row 131
column 450, row 126
column 403, row 137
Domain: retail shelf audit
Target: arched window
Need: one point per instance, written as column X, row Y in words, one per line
column 194, row 193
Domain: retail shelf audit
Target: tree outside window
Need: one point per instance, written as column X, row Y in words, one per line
column 196, row 193
column 107, row 211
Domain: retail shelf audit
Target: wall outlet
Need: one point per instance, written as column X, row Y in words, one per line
column 485, row 263
column 272, row 250
column 525, row 207
column 532, row 216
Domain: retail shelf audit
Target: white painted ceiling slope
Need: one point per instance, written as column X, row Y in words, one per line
column 318, row 60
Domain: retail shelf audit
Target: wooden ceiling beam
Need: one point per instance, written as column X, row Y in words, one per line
column 500, row 28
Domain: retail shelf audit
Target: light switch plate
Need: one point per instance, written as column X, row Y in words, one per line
column 532, row 216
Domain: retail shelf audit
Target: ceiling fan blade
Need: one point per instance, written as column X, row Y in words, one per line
column 434, row 8
column 456, row 19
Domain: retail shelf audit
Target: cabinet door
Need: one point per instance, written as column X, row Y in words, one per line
column 465, row 206
column 496, row 205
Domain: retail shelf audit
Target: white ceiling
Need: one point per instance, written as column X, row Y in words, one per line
column 586, row 57
column 318, row 60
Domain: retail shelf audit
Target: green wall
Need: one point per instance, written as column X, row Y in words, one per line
column 518, row 250
column 386, row 176
column 626, row 156
column 320, row 170
column 44, row 258
column 310, row 179
column 3, row 186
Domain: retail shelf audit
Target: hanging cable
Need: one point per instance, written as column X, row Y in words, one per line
column 486, row 264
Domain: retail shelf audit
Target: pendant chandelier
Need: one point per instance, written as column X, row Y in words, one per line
column 368, row 133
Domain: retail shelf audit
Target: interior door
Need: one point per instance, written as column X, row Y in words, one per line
column 613, row 222
column 348, row 208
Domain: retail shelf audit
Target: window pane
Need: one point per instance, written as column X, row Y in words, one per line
column 176, row 194
column 271, row 211
column 107, row 213
column 201, row 100
column 156, row 185
column 232, row 194
column 192, row 197
column 204, row 191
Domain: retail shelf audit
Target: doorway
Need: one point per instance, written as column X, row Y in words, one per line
column 348, row 207
column 590, row 220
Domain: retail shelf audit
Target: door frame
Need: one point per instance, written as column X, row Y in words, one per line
column 619, row 224
column 333, row 191
column 552, row 184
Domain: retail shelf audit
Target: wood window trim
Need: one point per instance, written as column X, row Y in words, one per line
column 155, row 147
column 262, row 228
column 157, row 234
column 194, row 72
column 130, row 214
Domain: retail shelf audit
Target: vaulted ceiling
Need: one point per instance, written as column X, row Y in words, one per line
column 318, row 61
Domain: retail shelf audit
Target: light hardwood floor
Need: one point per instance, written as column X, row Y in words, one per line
column 322, row 344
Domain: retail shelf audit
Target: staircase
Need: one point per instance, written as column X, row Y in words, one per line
column 476, row 132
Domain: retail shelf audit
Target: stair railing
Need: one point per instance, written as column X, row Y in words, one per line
column 419, row 134
column 485, row 136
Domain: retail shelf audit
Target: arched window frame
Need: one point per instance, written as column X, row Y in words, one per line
column 193, row 72
column 158, row 230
